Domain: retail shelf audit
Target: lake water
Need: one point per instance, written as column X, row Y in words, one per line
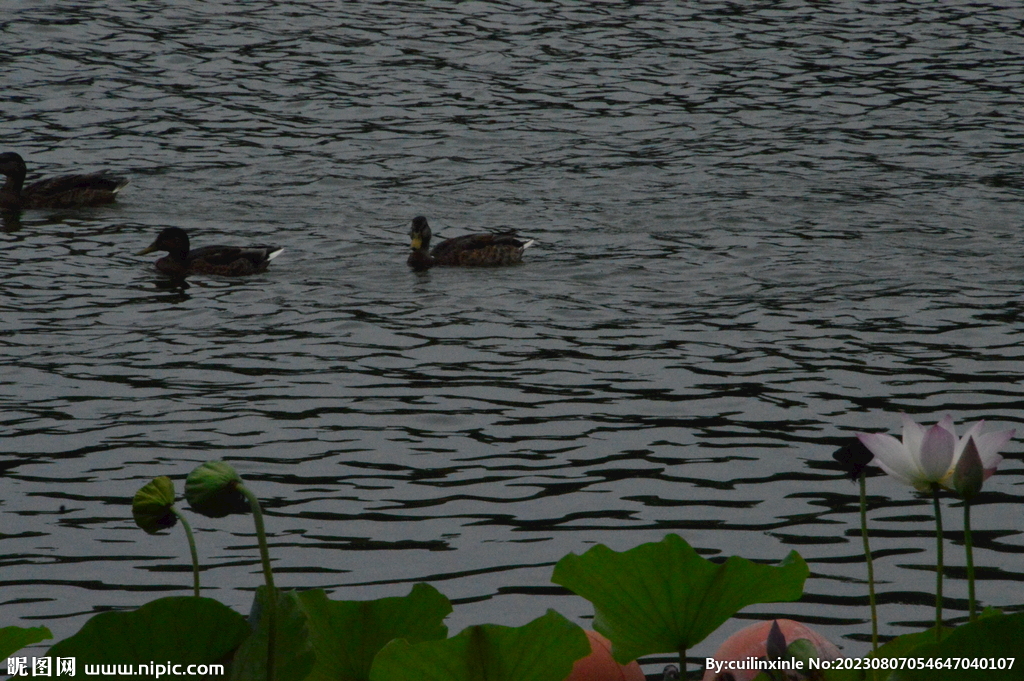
column 761, row 227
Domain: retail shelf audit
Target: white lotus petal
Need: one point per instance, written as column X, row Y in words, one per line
column 974, row 431
column 989, row 444
column 936, row 455
column 905, row 479
column 948, row 423
column 892, row 456
column 913, row 433
column 989, row 472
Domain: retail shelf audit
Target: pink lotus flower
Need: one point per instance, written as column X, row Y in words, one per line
column 930, row 455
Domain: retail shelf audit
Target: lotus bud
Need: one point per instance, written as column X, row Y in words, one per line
column 151, row 506
column 212, row 490
column 775, row 646
column 853, row 457
column 969, row 473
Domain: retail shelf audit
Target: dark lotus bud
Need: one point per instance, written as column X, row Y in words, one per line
column 969, row 473
column 151, row 506
column 212, row 490
column 775, row 646
column 853, row 457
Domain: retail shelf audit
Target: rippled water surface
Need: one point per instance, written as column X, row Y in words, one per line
column 760, row 228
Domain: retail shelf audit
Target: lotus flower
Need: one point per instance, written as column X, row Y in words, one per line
column 929, row 455
column 927, row 459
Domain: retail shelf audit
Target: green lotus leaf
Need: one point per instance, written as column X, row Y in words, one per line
column 801, row 649
column 293, row 654
column 902, row 645
column 13, row 639
column 152, row 504
column 178, row 629
column 663, row 598
column 212, row 490
column 346, row 635
column 542, row 650
column 989, row 639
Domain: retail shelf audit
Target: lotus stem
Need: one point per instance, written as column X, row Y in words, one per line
column 192, row 547
column 969, row 548
column 268, row 575
column 261, row 534
column 938, row 562
column 869, row 561
column 682, row 661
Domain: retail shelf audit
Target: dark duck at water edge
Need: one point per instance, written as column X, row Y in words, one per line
column 231, row 261
column 66, row 191
column 472, row 250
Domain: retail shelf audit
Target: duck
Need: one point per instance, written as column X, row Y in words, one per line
column 66, row 191
column 472, row 250
column 231, row 261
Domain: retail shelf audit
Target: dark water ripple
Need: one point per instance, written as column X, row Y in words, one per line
column 760, row 228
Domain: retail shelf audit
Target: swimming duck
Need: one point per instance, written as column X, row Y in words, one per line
column 472, row 250
column 66, row 191
column 231, row 261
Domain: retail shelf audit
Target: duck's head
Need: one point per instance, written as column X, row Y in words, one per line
column 420, row 234
column 174, row 240
column 11, row 164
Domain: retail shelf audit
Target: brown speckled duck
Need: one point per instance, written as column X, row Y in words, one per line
column 66, row 191
column 231, row 261
column 472, row 250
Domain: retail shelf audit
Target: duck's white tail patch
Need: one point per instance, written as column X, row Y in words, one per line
column 274, row 254
column 529, row 243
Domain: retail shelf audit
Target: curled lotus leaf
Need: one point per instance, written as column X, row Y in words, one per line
column 151, row 506
column 212, row 490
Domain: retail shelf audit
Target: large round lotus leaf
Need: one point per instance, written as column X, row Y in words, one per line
column 346, row 635
column 178, row 629
column 986, row 642
column 662, row 597
column 542, row 650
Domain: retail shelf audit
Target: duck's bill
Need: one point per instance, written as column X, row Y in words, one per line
column 147, row 249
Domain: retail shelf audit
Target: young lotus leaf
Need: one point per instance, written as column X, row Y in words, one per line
column 664, row 598
column 211, row 489
column 346, row 635
column 293, row 654
column 13, row 639
column 542, row 650
column 178, row 629
column 151, row 506
column 985, row 641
